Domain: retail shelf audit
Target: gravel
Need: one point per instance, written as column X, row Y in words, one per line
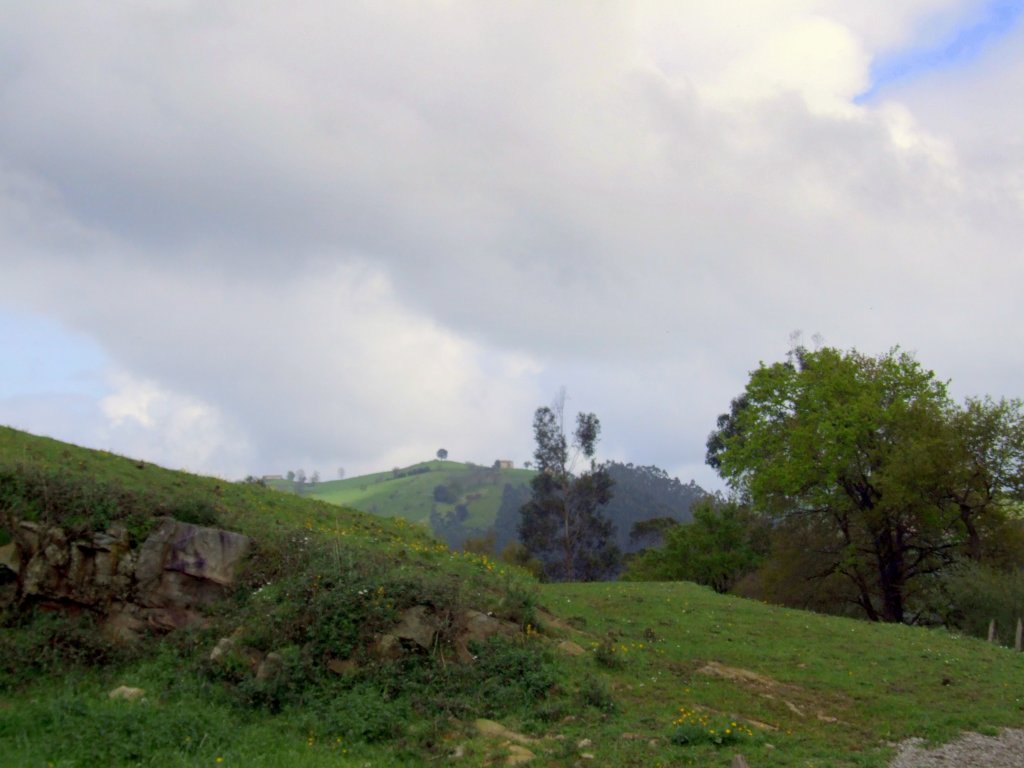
column 972, row 750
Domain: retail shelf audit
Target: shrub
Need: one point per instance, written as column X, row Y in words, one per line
column 50, row 643
column 977, row 594
column 692, row 727
column 595, row 693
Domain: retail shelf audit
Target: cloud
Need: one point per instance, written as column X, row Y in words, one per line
column 351, row 234
column 324, row 366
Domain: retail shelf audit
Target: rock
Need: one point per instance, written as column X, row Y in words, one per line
column 736, row 674
column 417, row 625
column 569, row 648
column 342, row 666
column 739, row 761
column 30, row 534
column 494, row 730
column 586, row 756
column 169, row 619
column 518, row 755
column 270, row 667
column 185, row 565
column 584, row 743
column 388, row 647
column 121, row 626
column 126, row 693
column 9, row 557
column 477, row 627
column 223, row 648
column 37, row 576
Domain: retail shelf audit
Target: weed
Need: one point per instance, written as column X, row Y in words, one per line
column 50, row 643
column 610, row 655
column 595, row 692
column 692, row 727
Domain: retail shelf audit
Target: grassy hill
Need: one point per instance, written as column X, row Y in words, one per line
column 613, row 674
column 408, row 492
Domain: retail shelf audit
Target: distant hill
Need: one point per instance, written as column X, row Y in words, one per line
column 457, row 500
column 448, row 490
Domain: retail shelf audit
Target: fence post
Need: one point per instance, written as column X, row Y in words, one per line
column 992, row 631
column 1018, row 644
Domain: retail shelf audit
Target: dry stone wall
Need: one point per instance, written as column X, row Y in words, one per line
column 163, row 584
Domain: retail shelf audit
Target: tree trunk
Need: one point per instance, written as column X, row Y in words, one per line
column 890, row 574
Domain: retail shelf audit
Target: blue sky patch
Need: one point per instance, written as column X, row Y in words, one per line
column 958, row 49
column 39, row 355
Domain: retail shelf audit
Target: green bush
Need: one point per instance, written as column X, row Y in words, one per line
column 53, row 643
column 609, row 654
column 977, row 594
column 595, row 693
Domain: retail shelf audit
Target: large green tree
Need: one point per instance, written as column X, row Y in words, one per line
column 562, row 524
column 872, row 455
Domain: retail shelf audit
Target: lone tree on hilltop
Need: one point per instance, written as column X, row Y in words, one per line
column 562, row 524
column 442, row 453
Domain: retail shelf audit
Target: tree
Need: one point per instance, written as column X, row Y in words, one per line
column 314, row 478
column 722, row 544
column 988, row 446
column 506, row 523
column 442, row 453
column 562, row 524
column 341, row 473
column 861, row 451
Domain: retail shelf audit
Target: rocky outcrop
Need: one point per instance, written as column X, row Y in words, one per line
column 179, row 569
column 182, row 565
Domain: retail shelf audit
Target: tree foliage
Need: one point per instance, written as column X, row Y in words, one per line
column 722, row 544
column 562, row 524
column 870, row 460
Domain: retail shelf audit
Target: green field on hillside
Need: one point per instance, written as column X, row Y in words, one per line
column 612, row 674
column 409, row 492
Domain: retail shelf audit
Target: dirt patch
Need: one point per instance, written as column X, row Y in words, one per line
column 548, row 621
column 792, row 699
column 972, row 749
column 736, row 674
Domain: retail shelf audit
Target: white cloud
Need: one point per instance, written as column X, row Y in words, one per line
column 349, row 235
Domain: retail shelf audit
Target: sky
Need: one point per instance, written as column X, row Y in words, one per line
column 241, row 238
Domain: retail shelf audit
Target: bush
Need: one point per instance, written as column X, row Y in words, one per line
column 51, row 643
column 610, row 655
column 444, row 495
column 977, row 594
column 595, row 693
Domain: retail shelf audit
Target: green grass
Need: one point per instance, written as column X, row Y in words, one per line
column 835, row 692
column 803, row 690
column 411, row 496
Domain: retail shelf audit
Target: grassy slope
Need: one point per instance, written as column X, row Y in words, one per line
column 412, row 497
column 832, row 692
column 839, row 690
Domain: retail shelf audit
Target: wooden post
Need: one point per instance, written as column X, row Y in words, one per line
column 1018, row 644
column 992, row 631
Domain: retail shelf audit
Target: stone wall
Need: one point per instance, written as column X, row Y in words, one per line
column 161, row 585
